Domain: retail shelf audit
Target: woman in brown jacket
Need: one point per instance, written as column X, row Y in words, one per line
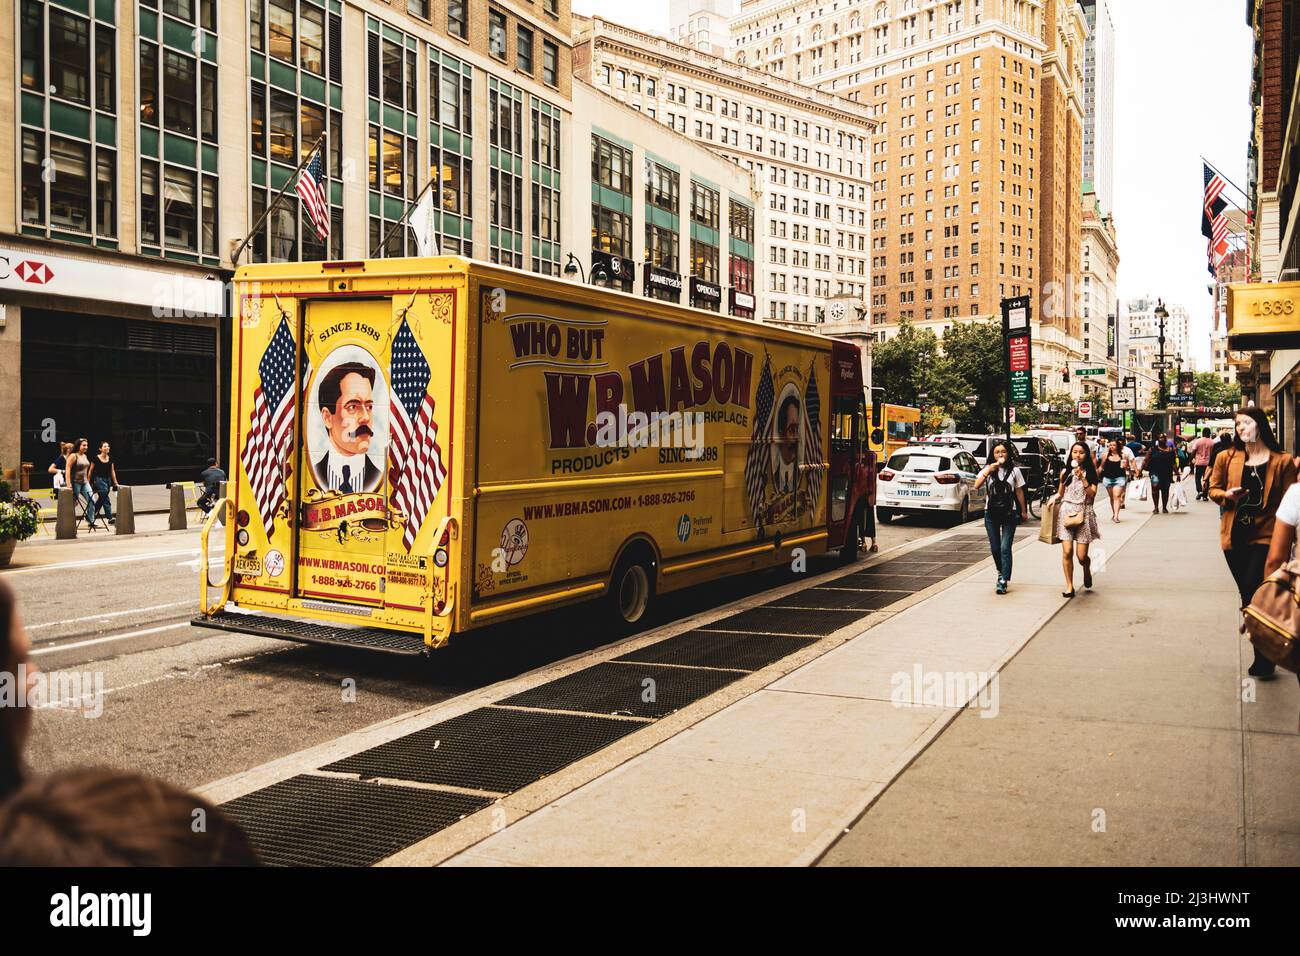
column 1248, row 483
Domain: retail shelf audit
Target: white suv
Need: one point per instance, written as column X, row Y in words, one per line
column 930, row 476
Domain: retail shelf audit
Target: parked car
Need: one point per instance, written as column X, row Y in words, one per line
column 1037, row 457
column 930, row 476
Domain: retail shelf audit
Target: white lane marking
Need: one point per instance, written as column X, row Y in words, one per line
column 97, row 617
column 60, row 705
column 52, row 649
column 101, row 562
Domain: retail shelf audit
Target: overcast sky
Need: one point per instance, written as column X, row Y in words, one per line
column 1184, row 96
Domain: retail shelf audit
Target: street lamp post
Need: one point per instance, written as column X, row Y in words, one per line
column 1162, row 315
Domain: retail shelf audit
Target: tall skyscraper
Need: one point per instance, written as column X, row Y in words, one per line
column 701, row 24
column 976, row 167
column 1099, row 102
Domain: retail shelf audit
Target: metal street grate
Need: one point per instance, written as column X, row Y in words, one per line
column 627, row 690
column 888, row 582
column 489, row 749
column 311, row 632
column 776, row 621
column 832, row 597
column 705, row 648
column 320, row 821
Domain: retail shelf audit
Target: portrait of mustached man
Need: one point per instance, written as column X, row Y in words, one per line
column 346, row 398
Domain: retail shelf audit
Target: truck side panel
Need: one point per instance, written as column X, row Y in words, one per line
column 600, row 424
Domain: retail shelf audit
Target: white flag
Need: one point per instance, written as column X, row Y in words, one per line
column 421, row 223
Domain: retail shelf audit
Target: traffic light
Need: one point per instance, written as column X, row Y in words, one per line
column 1065, row 376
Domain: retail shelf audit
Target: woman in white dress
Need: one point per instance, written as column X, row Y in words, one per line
column 1076, row 491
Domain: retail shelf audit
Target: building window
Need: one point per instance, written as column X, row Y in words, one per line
column 69, row 56
column 545, row 187
column 280, row 39
column 497, row 33
column 450, row 112
column 524, row 50
column 505, row 185
column 550, row 62
column 311, row 48
column 611, row 165
column 456, row 23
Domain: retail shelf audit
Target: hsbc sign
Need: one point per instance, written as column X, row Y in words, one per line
column 33, row 271
column 167, row 293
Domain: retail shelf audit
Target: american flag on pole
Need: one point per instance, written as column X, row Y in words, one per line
column 1214, row 225
column 414, row 452
column 756, row 463
column 311, row 189
column 812, row 436
column 270, row 424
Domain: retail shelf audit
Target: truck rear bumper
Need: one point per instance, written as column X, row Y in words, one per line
column 314, row 632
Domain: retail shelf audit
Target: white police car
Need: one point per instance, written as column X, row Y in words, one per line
column 930, row 476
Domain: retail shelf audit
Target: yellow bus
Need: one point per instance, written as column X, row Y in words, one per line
column 899, row 424
column 426, row 446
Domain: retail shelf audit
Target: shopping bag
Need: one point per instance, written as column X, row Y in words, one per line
column 1178, row 495
column 1139, row 488
column 1047, row 529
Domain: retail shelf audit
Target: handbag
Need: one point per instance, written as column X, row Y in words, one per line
column 1047, row 527
column 1140, row 488
column 1272, row 619
column 1074, row 520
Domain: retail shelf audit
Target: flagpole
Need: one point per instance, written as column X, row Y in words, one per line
column 374, row 253
column 1243, row 192
column 234, row 257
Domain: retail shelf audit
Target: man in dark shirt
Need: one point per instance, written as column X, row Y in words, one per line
column 212, row 477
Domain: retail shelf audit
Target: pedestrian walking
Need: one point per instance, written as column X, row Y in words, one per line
column 103, row 477
column 1004, row 507
column 1201, row 462
column 1076, row 520
column 77, row 472
column 1114, row 476
column 59, row 466
column 1248, row 483
column 1160, row 464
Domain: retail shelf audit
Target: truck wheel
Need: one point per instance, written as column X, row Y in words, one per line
column 630, row 591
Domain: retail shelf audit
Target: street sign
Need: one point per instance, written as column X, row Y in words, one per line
column 1158, row 364
column 1123, row 399
column 1088, row 372
column 1085, row 409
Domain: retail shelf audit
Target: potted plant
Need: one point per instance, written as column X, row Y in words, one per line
column 19, row 517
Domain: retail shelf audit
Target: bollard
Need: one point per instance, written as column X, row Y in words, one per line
column 222, row 494
column 65, row 515
column 125, row 511
column 176, row 521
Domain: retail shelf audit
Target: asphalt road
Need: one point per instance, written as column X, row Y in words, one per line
column 193, row 705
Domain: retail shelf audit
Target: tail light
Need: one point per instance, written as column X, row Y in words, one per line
column 946, row 479
column 886, row 475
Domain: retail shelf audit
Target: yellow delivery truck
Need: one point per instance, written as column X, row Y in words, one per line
column 426, row 446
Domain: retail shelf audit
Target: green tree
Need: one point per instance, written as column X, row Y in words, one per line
column 974, row 351
column 899, row 364
column 1211, row 390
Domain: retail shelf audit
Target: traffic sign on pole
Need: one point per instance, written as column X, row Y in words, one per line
column 1123, row 399
column 1088, row 372
column 1085, row 409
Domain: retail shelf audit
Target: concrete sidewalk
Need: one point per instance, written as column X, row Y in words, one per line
column 1126, row 702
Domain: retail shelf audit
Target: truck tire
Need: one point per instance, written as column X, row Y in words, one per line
column 631, row 589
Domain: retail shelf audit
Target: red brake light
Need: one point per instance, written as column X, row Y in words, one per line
column 886, row 475
column 946, row 479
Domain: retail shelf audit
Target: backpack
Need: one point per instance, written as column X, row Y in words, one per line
column 1002, row 498
column 1272, row 620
